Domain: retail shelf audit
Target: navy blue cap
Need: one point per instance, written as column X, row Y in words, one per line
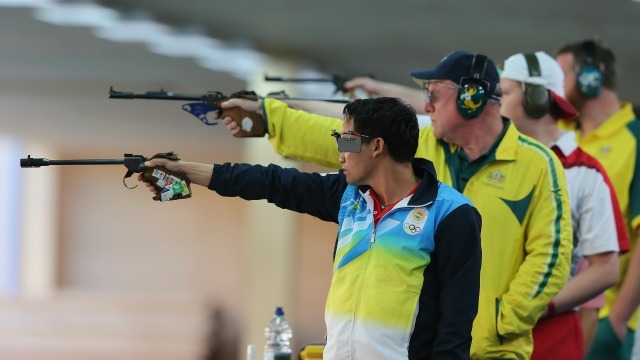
column 457, row 66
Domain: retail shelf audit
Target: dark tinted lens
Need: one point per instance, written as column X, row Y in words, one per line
column 351, row 144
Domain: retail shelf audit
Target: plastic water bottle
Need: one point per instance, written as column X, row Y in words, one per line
column 277, row 337
column 251, row 352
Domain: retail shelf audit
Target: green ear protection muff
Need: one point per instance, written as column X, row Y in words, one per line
column 535, row 99
column 472, row 96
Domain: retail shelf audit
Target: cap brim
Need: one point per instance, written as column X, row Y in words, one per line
column 567, row 111
column 420, row 76
column 424, row 75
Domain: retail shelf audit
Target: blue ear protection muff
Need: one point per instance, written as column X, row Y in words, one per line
column 536, row 98
column 472, row 96
column 590, row 75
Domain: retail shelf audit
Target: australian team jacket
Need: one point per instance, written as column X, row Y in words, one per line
column 404, row 289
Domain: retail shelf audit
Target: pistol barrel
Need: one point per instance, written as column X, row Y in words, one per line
column 30, row 162
column 154, row 95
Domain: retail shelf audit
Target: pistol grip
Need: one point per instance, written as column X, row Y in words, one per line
column 170, row 185
column 251, row 123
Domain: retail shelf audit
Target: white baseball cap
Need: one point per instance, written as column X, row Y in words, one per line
column 551, row 77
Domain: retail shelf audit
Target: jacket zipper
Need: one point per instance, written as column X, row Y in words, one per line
column 357, row 304
column 364, row 273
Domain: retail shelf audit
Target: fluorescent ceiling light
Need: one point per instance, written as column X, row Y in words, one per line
column 25, row 3
column 76, row 14
column 130, row 30
column 139, row 27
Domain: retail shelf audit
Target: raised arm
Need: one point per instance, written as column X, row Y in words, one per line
column 323, row 108
column 412, row 95
column 294, row 133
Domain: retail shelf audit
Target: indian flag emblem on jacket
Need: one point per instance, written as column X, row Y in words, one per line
column 414, row 223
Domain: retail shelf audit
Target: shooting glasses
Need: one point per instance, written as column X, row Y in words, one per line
column 349, row 141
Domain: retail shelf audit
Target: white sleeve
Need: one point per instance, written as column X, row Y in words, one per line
column 591, row 203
